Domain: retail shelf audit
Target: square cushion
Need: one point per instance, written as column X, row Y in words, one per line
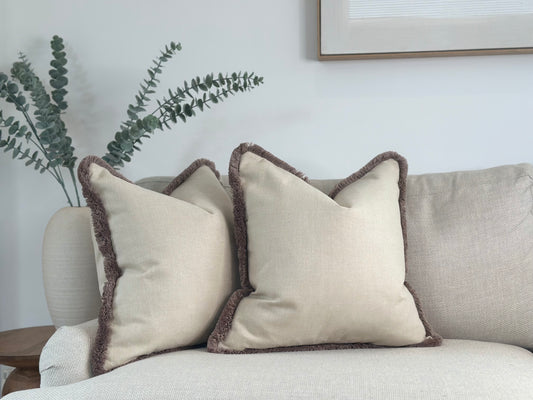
column 319, row 271
column 168, row 259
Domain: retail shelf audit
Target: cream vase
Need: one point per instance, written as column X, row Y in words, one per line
column 69, row 270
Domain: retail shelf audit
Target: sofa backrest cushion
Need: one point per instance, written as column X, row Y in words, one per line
column 470, row 255
column 470, row 250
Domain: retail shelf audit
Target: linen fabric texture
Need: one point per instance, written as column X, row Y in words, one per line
column 319, row 271
column 66, row 356
column 169, row 260
column 470, row 257
column 459, row 369
column 157, row 184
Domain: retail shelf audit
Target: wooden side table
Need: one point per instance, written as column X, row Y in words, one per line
column 21, row 348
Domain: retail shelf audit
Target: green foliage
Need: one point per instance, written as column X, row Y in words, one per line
column 148, row 85
column 180, row 105
column 45, row 130
column 13, row 144
column 52, row 130
column 58, row 73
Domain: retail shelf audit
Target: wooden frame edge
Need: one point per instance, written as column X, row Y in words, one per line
column 412, row 54
column 319, row 27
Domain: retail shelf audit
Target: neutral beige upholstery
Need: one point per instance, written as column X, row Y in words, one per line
column 157, row 184
column 458, row 370
column 177, row 261
column 65, row 358
column 470, row 254
column 475, row 288
column 322, row 270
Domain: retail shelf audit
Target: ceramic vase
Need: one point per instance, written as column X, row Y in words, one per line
column 69, row 270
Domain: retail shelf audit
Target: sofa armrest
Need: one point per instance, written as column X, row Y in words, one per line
column 66, row 356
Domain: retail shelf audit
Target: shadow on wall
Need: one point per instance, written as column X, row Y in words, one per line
column 309, row 29
column 82, row 116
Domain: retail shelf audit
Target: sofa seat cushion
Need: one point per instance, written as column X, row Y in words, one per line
column 459, row 369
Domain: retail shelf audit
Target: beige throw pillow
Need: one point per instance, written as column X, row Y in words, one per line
column 319, row 271
column 168, row 258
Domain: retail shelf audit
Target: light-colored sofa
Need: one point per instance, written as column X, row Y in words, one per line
column 470, row 260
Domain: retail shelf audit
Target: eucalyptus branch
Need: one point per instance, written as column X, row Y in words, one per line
column 20, row 104
column 53, row 134
column 50, row 130
column 148, row 85
column 196, row 85
column 48, row 134
column 58, row 73
column 11, row 144
column 20, row 107
column 181, row 104
column 73, row 177
column 16, row 131
column 224, row 86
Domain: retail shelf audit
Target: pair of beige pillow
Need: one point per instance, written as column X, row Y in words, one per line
column 316, row 271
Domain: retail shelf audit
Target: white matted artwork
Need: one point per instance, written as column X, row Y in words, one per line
column 351, row 29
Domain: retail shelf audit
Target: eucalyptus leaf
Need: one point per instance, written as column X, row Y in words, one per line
column 13, row 128
column 10, row 144
column 15, row 152
column 12, row 88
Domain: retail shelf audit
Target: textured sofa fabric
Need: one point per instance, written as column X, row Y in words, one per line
column 459, row 369
column 65, row 358
column 470, row 253
column 469, row 259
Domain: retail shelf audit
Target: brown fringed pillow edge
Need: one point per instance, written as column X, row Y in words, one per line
column 104, row 240
column 225, row 320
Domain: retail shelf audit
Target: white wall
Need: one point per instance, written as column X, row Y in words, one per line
column 325, row 118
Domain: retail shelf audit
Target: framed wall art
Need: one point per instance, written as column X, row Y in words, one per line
column 357, row 29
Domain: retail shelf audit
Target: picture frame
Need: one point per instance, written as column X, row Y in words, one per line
column 365, row 29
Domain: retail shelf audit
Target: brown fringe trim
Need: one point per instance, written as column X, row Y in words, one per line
column 241, row 238
column 239, row 205
column 104, row 240
column 432, row 338
column 402, row 184
column 225, row 320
